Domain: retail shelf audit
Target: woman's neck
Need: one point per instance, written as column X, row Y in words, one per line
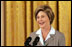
column 46, row 29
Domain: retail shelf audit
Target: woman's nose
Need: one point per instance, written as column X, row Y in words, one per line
column 40, row 19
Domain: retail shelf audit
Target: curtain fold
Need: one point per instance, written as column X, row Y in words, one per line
column 65, row 20
column 28, row 17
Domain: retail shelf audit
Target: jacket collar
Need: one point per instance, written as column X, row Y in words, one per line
column 50, row 34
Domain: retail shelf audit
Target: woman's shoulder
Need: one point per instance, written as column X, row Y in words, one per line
column 33, row 34
column 59, row 34
column 61, row 38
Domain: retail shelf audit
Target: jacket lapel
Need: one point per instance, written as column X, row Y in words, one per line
column 51, row 39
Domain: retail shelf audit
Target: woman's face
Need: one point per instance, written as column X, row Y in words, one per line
column 42, row 19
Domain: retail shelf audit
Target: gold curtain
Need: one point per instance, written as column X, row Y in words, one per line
column 19, row 20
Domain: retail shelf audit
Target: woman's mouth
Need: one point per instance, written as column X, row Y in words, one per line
column 41, row 23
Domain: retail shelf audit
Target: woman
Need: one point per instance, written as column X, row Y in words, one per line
column 47, row 34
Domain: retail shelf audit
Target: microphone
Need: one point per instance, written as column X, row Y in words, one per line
column 27, row 41
column 36, row 41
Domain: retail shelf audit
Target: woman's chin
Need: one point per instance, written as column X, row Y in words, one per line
column 42, row 26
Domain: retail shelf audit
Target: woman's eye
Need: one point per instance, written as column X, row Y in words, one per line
column 42, row 16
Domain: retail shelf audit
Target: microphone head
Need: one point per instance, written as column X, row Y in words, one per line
column 27, row 41
column 36, row 41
